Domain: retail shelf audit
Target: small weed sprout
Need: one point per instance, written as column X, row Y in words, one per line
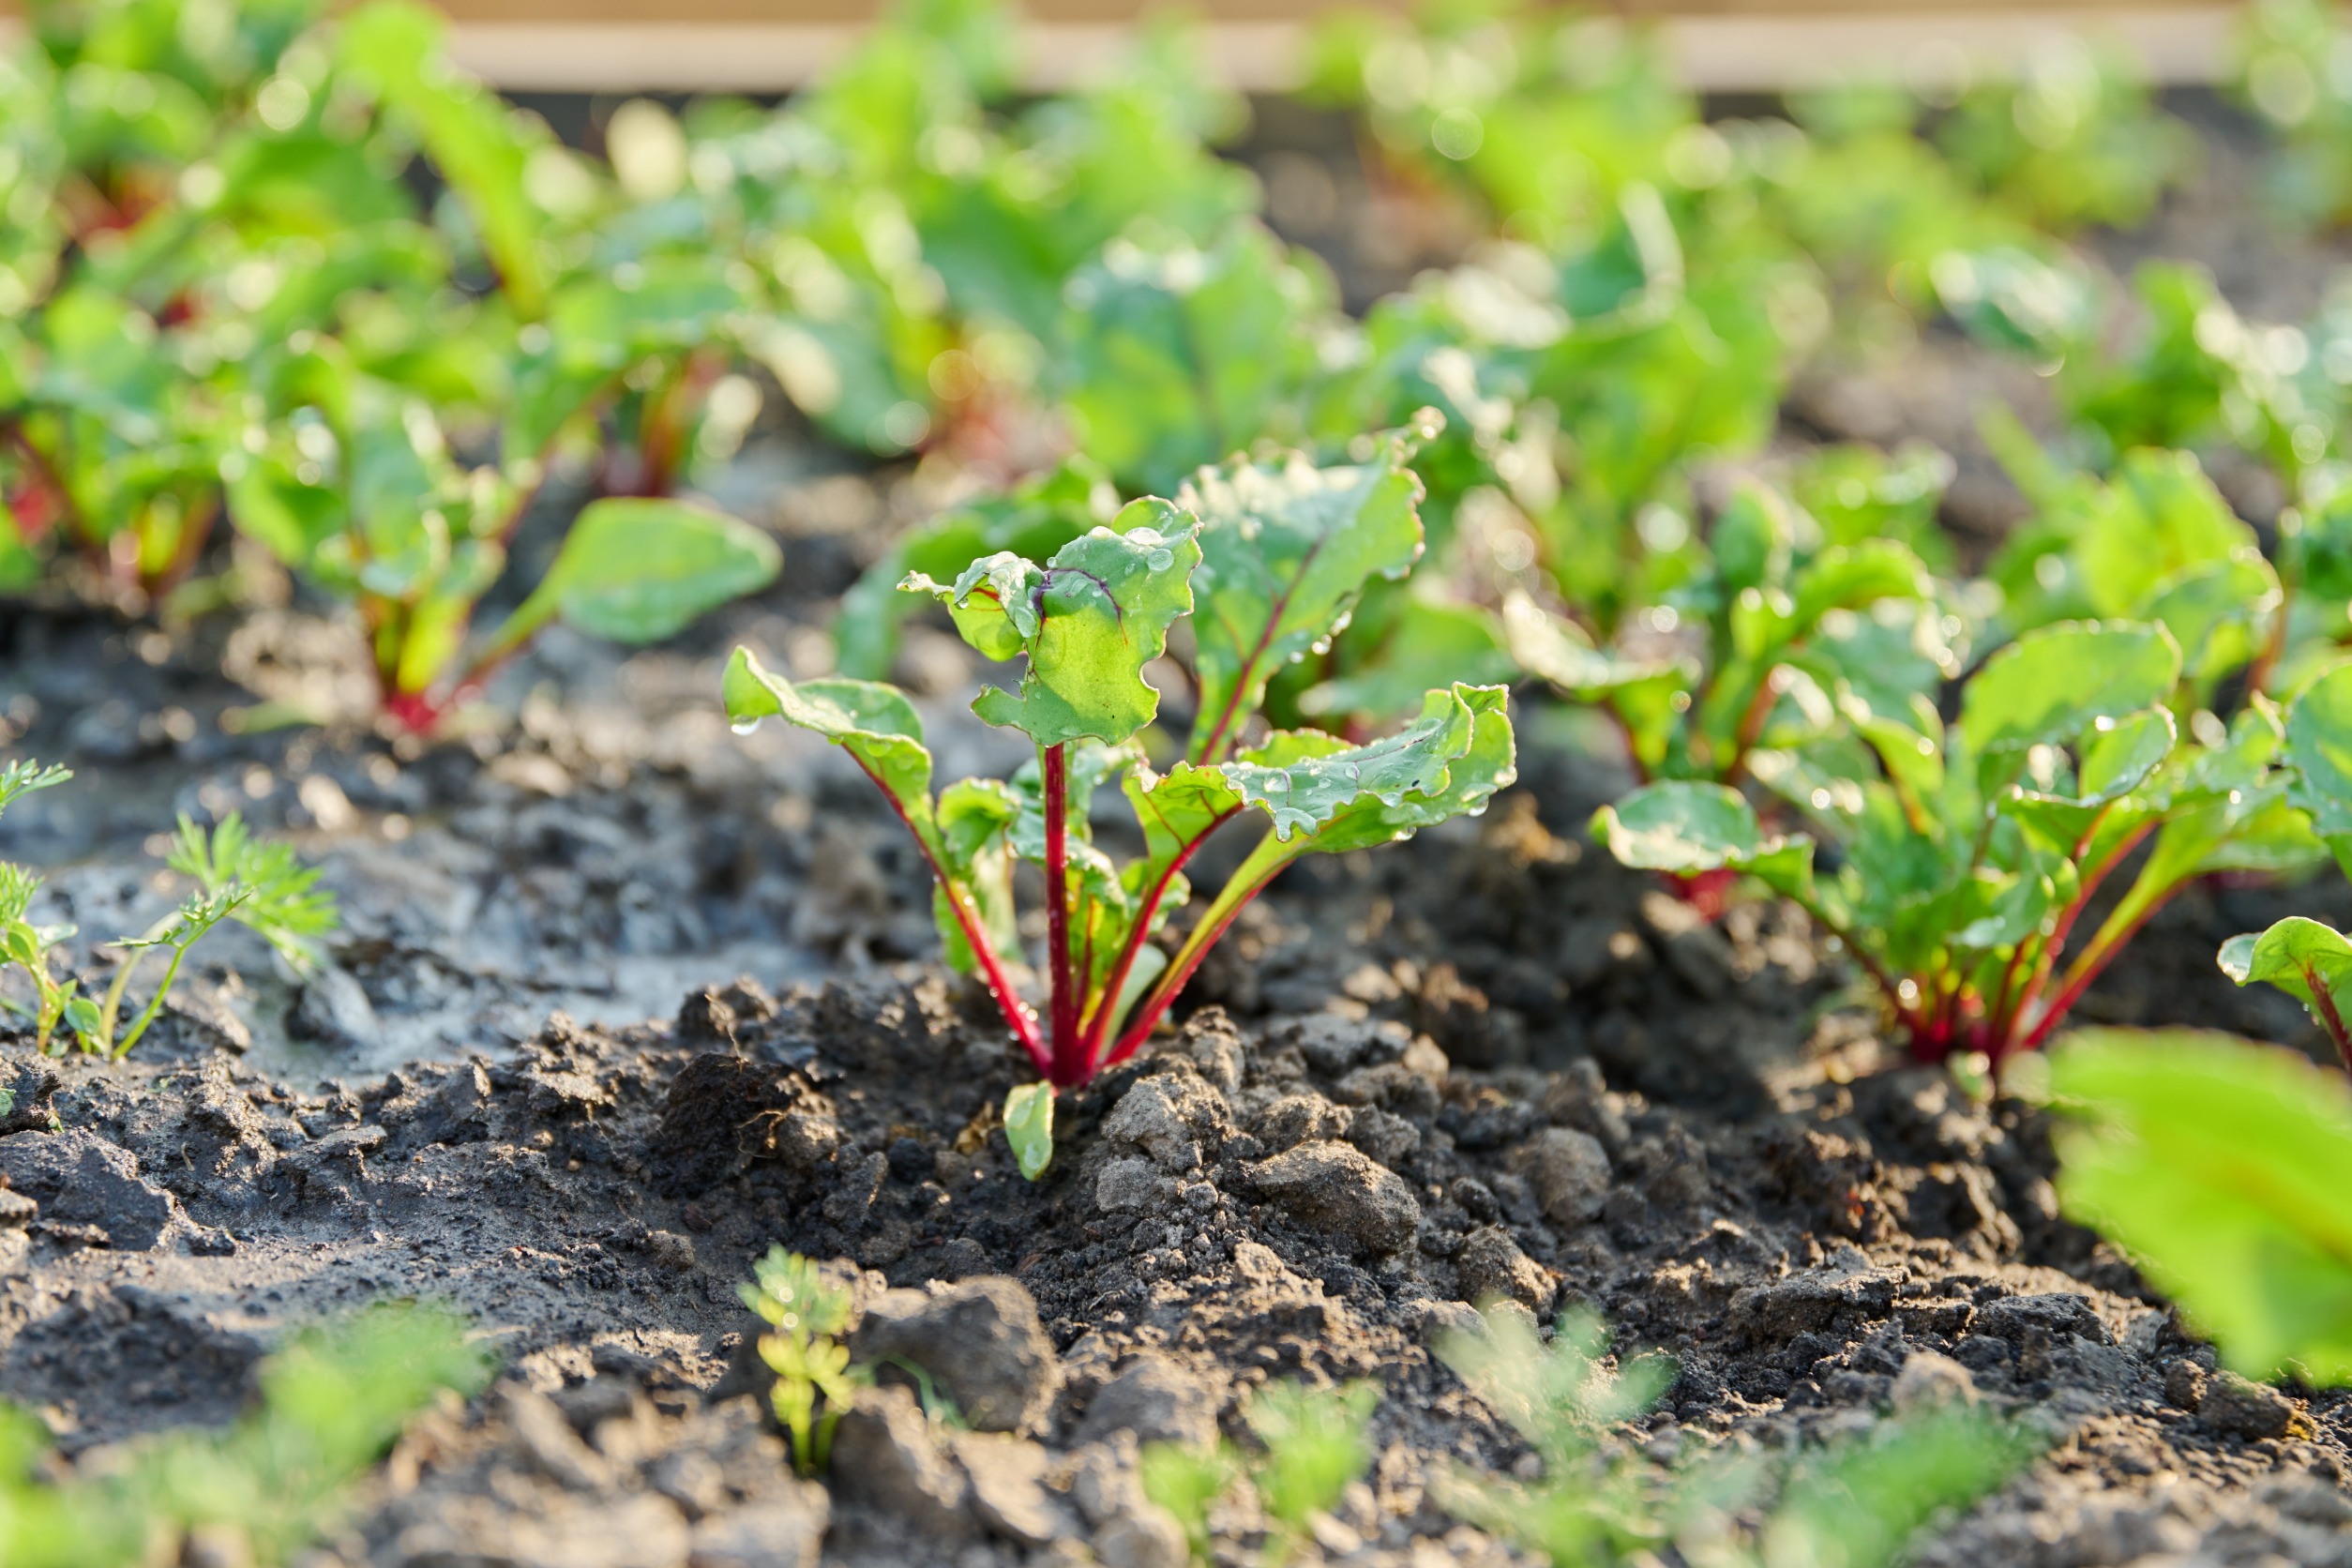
column 1561, row 1398
column 1317, row 1442
column 805, row 1311
column 262, row 886
column 332, row 1401
column 1853, row 1506
column 25, row 945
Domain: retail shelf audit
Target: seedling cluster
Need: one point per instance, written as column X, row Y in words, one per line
column 1593, row 1505
column 260, row 885
column 1262, row 562
column 266, row 1488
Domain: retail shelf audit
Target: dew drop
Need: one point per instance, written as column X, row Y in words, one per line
column 1160, row 560
column 744, row 726
column 1277, row 783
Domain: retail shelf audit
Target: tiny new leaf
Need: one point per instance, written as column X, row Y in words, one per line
column 1089, row 620
column 1029, row 1126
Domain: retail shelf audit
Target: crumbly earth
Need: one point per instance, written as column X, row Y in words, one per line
column 1488, row 1063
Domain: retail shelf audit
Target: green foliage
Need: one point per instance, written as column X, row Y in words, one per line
column 2220, row 1167
column 2155, row 541
column 1855, row 1504
column 1317, row 1441
column 1776, row 645
column 1032, row 520
column 332, row 1402
column 2181, row 369
column 1264, row 560
column 1860, row 1502
column 2288, row 75
column 2073, row 139
column 1966, row 854
column 25, row 946
column 1314, row 1443
column 229, row 302
column 1174, row 355
column 281, row 901
column 814, row 1383
column 2318, row 748
column 2308, row 960
column 260, row 885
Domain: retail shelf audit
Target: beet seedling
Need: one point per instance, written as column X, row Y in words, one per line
column 1264, row 560
column 1967, row 853
column 1772, row 642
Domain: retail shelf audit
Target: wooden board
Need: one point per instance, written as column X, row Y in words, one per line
column 1717, row 45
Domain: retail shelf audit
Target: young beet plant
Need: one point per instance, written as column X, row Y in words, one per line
column 1755, row 667
column 1264, row 560
column 2309, row 960
column 1967, row 853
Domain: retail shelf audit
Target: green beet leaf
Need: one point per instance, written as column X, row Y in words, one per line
column 2319, row 750
column 1423, row 642
column 2052, row 684
column 638, row 571
column 872, row 722
column 1087, row 620
column 1485, row 762
column 1286, row 549
column 2220, row 1168
column 1033, row 520
column 1177, row 812
column 1686, row 827
column 1176, row 355
column 975, row 829
column 2311, row 962
column 466, row 127
column 1320, row 775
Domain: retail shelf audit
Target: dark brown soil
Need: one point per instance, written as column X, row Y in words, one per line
column 1488, row 1062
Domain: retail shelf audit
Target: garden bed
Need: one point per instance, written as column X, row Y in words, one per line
column 1445, row 1030
column 622, row 999
column 1492, row 1061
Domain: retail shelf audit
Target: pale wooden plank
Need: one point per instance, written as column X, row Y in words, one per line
column 1716, row 45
